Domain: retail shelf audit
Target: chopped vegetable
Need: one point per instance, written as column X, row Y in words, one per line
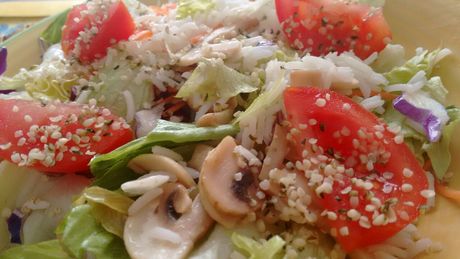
column 213, row 80
column 109, row 208
column 439, row 152
column 431, row 124
column 342, row 128
column 3, row 56
column 323, row 26
column 110, row 170
column 77, row 133
column 188, row 8
column 93, row 27
column 81, row 234
column 14, row 222
column 272, row 249
column 422, row 61
column 44, row 250
column 52, row 34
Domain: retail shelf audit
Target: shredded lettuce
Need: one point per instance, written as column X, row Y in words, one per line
column 271, row 249
column 439, row 152
column 44, row 250
column 213, row 80
column 83, row 236
column 390, row 57
column 51, row 80
column 422, row 61
column 112, row 81
column 110, row 170
column 188, row 8
column 436, row 89
column 52, row 34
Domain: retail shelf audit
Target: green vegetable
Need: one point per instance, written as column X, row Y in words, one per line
column 110, row 170
column 52, row 34
column 423, row 61
column 188, row 8
column 45, row 250
column 436, row 89
column 214, row 80
column 108, row 207
column 113, row 80
column 390, row 57
column 270, row 249
column 439, row 152
column 81, row 234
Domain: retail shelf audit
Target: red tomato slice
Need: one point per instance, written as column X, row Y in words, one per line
column 369, row 201
column 323, row 26
column 58, row 137
column 90, row 30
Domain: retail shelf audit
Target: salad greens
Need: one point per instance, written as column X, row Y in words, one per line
column 439, row 152
column 110, row 208
column 271, row 249
column 52, row 34
column 424, row 60
column 213, row 80
column 188, row 8
column 110, row 170
column 82, row 235
column 45, row 250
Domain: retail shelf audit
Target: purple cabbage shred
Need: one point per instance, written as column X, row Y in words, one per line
column 3, row 55
column 425, row 118
column 14, row 222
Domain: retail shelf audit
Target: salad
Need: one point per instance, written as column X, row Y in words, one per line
column 257, row 129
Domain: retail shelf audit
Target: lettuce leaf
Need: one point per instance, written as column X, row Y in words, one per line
column 112, row 81
column 44, row 250
column 271, row 249
column 52, row 34
column 439, row 152
column 213, row 80
column 110, row 170
column 188, row 8
column 422, row 61
column 108, row 207
column 83, row 236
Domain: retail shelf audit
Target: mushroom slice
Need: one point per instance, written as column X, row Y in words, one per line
column 199, row 155
column 276, row 152
column 215, row 119
column 158, row 231
column 156, row 163
column 224, row 197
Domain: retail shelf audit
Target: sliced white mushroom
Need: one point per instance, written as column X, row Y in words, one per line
column 155, row 163
column 226, row 199
column 276, row 152
column 199, row 155
column 158, row 231
column 215, row 119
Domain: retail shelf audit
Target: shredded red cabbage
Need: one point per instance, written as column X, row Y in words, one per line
column 14, row 222
column 3, row 55
column 431, row 124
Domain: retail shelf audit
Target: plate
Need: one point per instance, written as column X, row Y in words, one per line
column 429, row 24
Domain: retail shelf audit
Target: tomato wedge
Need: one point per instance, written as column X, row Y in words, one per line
column 323, row 26
column 58, row 137
column 378, row 187
column 90, row 29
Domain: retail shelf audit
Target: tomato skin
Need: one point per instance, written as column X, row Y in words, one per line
column 301, row 107
column 323, row 26
column 117, row 26
column 30, row 120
